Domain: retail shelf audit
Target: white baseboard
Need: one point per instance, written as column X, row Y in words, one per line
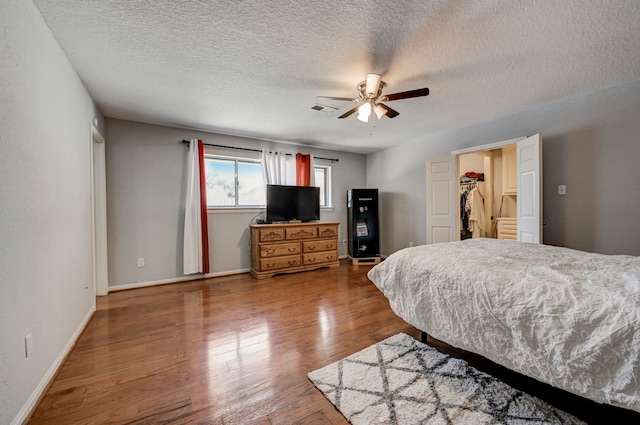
column 175, row 280
column 192, row 277
column 228, row 273
column 51, row 373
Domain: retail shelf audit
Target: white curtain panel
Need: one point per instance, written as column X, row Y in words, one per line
column 192, row 261
column 278, row 168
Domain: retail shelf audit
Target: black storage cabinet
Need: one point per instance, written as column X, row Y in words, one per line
column 363, row 224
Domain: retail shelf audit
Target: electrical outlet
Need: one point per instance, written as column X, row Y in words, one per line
column 28, row 345
column 140, row 262
column 562, row 189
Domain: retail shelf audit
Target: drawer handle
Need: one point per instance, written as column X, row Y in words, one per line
column 292, row 263
column 311, row 247
column 271, row 265
column 312, row 259
column 292, row 249
column 270, row 251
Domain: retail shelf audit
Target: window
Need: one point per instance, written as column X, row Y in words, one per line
column 234, row 182
column 238, row 183
column 323, row 181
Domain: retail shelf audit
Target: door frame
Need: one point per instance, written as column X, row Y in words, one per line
column 454, row 223
column 488, row 147
column 98, row 213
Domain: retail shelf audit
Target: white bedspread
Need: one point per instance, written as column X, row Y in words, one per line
column 565, row 317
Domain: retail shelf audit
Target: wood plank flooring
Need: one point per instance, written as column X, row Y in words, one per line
column 228, row 350
column 232, row 350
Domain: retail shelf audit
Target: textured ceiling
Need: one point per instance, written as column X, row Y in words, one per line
column 254, row 68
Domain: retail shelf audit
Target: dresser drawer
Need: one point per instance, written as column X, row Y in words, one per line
column 271, row 235
column 319, row 257
column 317, row 246
column 508, row 229
column 278, row 250
column 294, row 233
column 279, row 262
column 327, row 231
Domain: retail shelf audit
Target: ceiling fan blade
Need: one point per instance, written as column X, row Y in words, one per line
column 406, row 94
column 391, row 113
column 349, row 112
column 345, row 99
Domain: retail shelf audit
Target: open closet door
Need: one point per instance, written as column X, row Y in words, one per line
column 441, row 204
column 529, row 158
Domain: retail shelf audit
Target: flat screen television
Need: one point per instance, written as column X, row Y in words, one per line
column 287, row 203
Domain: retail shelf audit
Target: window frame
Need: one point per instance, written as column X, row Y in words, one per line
column 235, row 160
column 327, row 186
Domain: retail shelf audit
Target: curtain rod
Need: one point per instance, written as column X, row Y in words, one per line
column 186, row 142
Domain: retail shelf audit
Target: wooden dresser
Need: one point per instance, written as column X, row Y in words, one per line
column 293, row 247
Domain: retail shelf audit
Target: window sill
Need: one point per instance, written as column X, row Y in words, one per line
column 232, row 210
column 248, row 210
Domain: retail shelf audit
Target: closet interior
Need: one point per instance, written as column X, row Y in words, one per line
column 488, row 190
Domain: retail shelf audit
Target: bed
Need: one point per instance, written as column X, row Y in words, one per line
column 568, row 318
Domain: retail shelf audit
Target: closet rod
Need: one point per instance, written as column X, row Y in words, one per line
column 186, row 142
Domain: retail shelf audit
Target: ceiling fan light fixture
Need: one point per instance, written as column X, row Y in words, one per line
column 372, row 85
column 370, row 98
column 364, row 112
column 380, row 111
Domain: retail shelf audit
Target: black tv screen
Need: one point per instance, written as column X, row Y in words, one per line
column 287, row 203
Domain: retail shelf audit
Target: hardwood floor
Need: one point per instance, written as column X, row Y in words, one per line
column 228, row 350
column 235, row 350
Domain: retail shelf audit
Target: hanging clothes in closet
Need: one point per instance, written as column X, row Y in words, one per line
column 465, row 189
column 474, row 207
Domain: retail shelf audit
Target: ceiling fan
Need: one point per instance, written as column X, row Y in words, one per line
column 370, row 98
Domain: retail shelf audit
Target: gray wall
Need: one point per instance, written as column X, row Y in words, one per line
column 591, row 143
column 145, row 197
column 45, row 206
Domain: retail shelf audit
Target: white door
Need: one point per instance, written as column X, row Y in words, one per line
column 529, row 160
column 441, row 201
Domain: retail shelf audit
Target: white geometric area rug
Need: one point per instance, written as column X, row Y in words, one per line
column 402, row 381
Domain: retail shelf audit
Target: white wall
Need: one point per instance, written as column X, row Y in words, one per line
column 45, row 207
column 145, row 198
column 590, row 143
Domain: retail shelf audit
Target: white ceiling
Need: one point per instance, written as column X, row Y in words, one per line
column 254, row 68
